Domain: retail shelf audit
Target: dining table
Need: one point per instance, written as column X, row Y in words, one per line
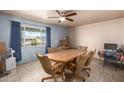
column 65, row 56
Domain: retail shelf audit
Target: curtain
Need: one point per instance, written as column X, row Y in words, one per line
column 15, row 42
column 48, row 38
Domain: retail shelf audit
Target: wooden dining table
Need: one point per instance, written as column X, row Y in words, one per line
column 65, row 56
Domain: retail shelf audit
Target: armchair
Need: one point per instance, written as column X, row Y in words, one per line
column 54, row 71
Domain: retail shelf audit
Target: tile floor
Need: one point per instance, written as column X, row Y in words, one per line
column 33, row 72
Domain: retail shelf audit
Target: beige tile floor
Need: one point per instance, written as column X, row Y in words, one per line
column 33, row 72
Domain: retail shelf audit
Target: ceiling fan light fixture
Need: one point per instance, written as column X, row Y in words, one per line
column 64, row 15
column 62, row 19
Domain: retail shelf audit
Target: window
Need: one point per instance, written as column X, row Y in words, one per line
column 33, row 36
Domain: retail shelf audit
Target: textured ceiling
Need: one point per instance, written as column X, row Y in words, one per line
column 83, row 17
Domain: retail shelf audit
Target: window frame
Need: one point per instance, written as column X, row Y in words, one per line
column 42, row 29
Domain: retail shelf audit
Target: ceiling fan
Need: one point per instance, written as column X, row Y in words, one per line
column 64, row 16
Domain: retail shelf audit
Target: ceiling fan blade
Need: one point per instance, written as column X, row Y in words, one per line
column 53, row 17
column 69, row 19
column 58, row 12
column 71, row 14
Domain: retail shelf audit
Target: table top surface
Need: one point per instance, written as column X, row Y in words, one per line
column 64, row 55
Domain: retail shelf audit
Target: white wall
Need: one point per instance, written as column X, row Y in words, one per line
column 95, row 35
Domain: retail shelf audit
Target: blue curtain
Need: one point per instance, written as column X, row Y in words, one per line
column 15, row 42
column 48, row 38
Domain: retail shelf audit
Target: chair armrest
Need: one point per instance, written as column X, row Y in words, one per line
column 72, row 64
column 57, row 67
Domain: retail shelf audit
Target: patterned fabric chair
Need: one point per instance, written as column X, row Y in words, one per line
column 54, row 71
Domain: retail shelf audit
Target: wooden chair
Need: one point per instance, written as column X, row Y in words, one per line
column 82, row 48
column 89, row 61
column 80, row 63
column 46, row 64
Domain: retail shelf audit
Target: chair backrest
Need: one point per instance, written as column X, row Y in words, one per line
column 80, row 62
column 90, row 57
column 45, row 62
column 82, row 48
